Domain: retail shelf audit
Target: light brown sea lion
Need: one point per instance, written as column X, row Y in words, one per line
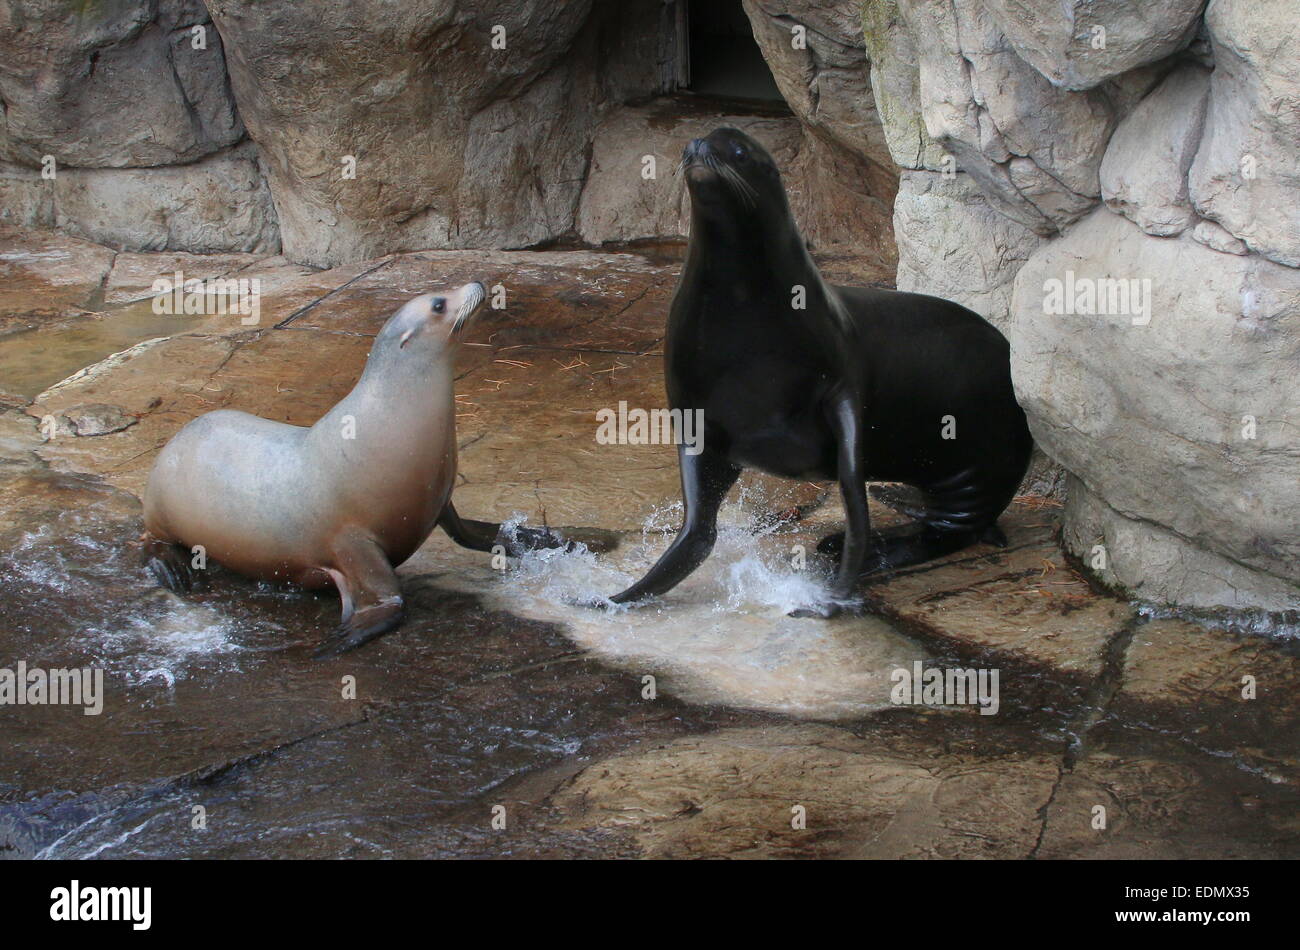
column 343, row 501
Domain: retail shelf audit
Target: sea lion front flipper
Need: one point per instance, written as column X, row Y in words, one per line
column 845, row 421
column 706, row 479
column 371, row 595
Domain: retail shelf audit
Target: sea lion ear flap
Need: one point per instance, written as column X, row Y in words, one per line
column 406, row 337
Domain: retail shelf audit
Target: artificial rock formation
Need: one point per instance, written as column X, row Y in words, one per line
column 377, row 129
column 1174, row 411
column 1245, row 175
column 1042, row 142
column 842, row 182
column 126, row 84
column 119, row 125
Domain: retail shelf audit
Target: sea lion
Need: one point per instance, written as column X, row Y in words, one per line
column 343, row 501
column 806, row 380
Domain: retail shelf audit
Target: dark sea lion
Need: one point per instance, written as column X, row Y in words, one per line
column 859, row 385
column 342, row 502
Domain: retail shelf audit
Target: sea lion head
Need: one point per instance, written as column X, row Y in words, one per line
column 426, row 324
column 728, row 172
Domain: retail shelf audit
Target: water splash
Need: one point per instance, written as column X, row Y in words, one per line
column 84, row 595
column 723, row 636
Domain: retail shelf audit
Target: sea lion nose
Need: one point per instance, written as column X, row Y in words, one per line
column 695, row 148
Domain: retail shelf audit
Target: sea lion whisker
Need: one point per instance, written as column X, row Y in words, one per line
column 742, row 188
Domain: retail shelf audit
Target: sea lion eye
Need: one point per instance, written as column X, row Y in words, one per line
column 440, row 305
column 739, row 153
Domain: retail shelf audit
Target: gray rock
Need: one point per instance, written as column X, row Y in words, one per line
column 619, row 204
column 111, row 85
column 953, row 244
column 827, row 83
column 842, row 182
column 830, row 190
column 1144, row 171
column 98, row 419
column 1033, row 148
column 1179, row 430
column 1245, row 175
column 895, row 85
column 1154, row 564
column 1061, row 38
column 842, row 201
column 216, row 205
column 456, row 143
column 1216, row 236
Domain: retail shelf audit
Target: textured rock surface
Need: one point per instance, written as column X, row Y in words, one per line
column 112, row 85
column 1245, row 175
column 840, row 202
column 828, row 82
column 1228, row 692
column 896, row 86
column 1183, row 425
column 843, row 181
column 1034, row 148
column 733, row 794
column 1216, row 236
column 42, row 271
column 1080, row 43
column 382, row 130
column 620, row 204
column 455, row 143
column 1144, row 172
column 952, row 244
column 218, row 204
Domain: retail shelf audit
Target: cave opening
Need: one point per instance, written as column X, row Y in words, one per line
column 717, row 55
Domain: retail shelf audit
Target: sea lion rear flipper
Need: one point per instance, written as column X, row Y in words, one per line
column 485, row 535
column 371, row 595
column 475, row 535
column 168, row 564
column 995, row 536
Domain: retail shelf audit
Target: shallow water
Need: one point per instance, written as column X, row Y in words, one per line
column 502, row 689
column 494, row 674
column 723, row 636
column 33, row 360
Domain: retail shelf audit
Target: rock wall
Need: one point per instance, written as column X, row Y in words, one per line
column 369, row 127
column 832, row 152
column 118, row 125
column 843, row 180
column 1114, row 185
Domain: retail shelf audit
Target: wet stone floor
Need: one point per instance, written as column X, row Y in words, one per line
column 502, row 720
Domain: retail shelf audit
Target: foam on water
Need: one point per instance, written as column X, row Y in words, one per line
column 121, row 620
column 723, row 636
